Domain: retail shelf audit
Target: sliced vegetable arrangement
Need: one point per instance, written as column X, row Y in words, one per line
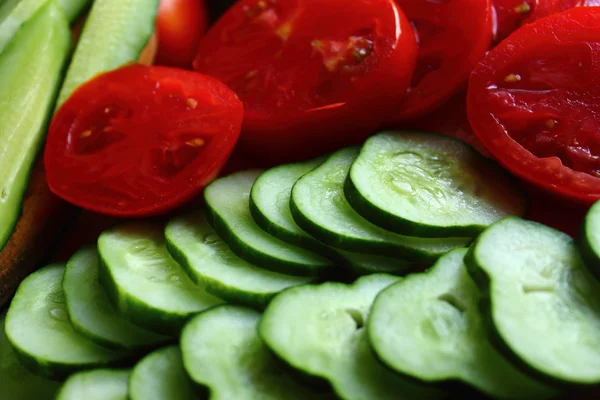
column 348, row 262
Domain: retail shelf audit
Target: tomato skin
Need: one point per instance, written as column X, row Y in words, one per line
column 449, row 48
column 533, row 103
column 140, row 141
column 304, row 90
column 180, row 25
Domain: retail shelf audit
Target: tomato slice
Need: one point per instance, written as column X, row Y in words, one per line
column 141, row 140
column 511, row 14
column 453, row 36
column 313, row 75
column 534, row 103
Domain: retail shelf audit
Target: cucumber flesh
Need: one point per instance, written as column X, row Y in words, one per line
column 90, row 310
column 319, row 207
column 39, row 330
column 143, row 281
column 159, row 376
column 100, row 384
column 425, row 184
column 227, row 200
column 16, row 381
column 114, row 34
column 428, row 327
column 223, row 354
column 589, row 239
column 209, row 261
column 319, row 330
column 544, row 305
column 270, row 208
column 30, row 72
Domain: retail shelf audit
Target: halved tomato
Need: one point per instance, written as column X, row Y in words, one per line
column 141, row 140
column 313, row 75
column 534, row 102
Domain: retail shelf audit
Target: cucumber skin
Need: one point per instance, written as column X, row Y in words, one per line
column 589, row 255
column 134, row 310
column 241, row 250
column 254, row 301
column 484, row 283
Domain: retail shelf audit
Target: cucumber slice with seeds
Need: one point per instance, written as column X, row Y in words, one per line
column 428, row 327
column 589, row 239
column 16, row 382
column 223, row 354
column 90, row 310
column 543, row 305
column 38, row 328
column 143, row 281
column 209, row 261
column 425, row 184
column 319, row 207
column 100, row 384
column 270, row 208
column 159, row 376
column 319, row 330
column 114, row 34
column 227, row 200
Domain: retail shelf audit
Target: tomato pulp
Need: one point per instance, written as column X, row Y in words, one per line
column 313, row 75
column 534, row 102
column 453, row 36
column 180, row 25
column 141, row 140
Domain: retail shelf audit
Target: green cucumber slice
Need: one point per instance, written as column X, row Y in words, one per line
column 319, row 206
column 159, row 376
column 209, row 261
column 73, row 8
column 100, row 384
column 543, row 304
column 16, row 382
column 228, row 211
column 589, row 239
column 425, row 184
column 144, row 283
column 428, row 327
column 90, row 310
column 270, row 208
column 38, row 328
column 114, row 34
column 223, row 355
column 319, row 330
column 30, row 72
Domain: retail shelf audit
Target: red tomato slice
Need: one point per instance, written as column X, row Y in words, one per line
column 140, row 140
column 313, row 75
column 511, row 14
column 534, row 103
column 180, row 25
column 453, row 36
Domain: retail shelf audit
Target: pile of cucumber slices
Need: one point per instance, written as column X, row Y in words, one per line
column 396, row 270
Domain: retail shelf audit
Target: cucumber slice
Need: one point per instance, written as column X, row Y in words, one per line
column 209, row 261
column 270, row 208
column 114, row 34
column 73, row 8
column 144, row 283
column 90, row 310
column 429, row 328
column 30, row 72
column 159, row 376
column 425, row 184
column 100, row 384
column 16, row 382
column 544, row 305
column 318, row 330
column 223, row 354
column 589, row 239
column 38, row 328
column 228, row 209
column 319, row 207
